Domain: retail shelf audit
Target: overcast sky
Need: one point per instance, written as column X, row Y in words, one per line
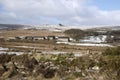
column 67, row 12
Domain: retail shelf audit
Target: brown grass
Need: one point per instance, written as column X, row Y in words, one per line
column 42, row 46
column 12, row 33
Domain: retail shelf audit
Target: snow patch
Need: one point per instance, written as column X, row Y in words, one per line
column 17, row 53
column 3, row 49
column 84, row 44
column 76, row 54
column 25, row 47
column 94, row 39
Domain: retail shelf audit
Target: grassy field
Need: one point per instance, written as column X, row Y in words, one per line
column 96, row 63
column 43, row 45
column 13, row 33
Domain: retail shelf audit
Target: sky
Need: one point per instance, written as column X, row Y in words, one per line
column 66, row 12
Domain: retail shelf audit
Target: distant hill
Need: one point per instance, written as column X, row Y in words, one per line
column 11, row 26
column 106, row 28
column 33, row 27
column 58, row 27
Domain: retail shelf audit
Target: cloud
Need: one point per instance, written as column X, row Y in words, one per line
column 69, row 12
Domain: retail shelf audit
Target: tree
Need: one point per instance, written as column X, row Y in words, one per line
column 75, row 33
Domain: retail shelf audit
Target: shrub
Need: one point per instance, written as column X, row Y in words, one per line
column 19, row 58
column 112, row 51
column 75, row 33
column 4, row 58
column 30, row 63
column 49, row 73
column 78, row 74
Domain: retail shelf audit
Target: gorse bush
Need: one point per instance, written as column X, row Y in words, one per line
column 4, row 58
column 112, row 51
column 110, row 63
column 64, row 66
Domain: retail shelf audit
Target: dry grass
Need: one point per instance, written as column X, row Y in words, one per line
column 50, row 47
column 12, row 33
column 43, row 46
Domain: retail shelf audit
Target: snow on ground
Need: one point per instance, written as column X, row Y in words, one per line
column 2, row 49
column 17, row 53
column 94, row 39
column 55, row 28
column 26, row 47
column 84, row 44
column 76, row 54
column 5, row 50
column 53, row 52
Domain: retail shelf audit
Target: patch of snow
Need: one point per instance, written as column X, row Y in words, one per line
column 95, row 68
column 17, row 53
column 94, row 39
column 3, row 49
column 54, row 52
column 62, row 42
column 25, row 47
column 77, row 54
column 56, row 30
column 84, row 44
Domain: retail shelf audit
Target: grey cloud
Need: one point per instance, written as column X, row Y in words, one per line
column 70, row 12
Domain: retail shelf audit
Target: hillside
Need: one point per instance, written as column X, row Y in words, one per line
column 57, row 28
column 105, row 28
column 11, row 26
